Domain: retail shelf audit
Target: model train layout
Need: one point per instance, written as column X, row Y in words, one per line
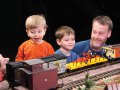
column 42, row 74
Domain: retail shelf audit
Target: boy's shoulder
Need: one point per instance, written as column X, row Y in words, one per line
column 27, row 42
column 58, row 51
column 46, row 43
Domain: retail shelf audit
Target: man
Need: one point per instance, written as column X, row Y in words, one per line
column 101, row 31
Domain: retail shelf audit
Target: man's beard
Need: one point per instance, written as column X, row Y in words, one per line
column 96, row 44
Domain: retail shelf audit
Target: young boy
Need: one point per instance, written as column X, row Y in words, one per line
column 65, row 38
column 35, row 47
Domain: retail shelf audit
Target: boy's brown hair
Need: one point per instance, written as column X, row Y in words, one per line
column 61, row 31
column 34, row 21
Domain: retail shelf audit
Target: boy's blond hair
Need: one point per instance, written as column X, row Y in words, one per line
column 61, row 31
column 34, row 21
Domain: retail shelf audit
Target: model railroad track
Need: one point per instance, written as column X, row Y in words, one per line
column 88, row 68
column 94, row 78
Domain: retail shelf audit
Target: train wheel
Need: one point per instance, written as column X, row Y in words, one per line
column 110, row 58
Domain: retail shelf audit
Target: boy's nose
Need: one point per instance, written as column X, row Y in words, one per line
column 36, row 34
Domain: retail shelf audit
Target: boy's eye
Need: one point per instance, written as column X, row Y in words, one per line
column 66, row 40
column 32, row 32
column 39, row 31
column 73, row 39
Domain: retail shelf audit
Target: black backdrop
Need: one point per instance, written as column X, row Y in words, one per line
column 75, row 13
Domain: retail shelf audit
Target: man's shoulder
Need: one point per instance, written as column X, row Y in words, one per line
column 81, row 47
column 83, row 43
column 74, row 53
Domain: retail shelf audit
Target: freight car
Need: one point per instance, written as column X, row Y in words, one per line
column 85, row 61
column 36, row 74
column 110, row 52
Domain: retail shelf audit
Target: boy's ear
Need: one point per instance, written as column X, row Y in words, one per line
column 44, row 32
column 58, row 41
column 27, row 33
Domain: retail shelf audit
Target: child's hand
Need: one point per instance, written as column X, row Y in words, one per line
column 3, row 62
column 6, row 60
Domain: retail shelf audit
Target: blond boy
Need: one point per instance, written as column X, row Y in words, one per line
column 35, row 47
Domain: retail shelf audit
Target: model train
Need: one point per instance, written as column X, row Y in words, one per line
column 42, row 74
column 111, row 52
column 36, row 74
column 85, row 61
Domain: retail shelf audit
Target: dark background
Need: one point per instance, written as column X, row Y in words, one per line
column 77, row 14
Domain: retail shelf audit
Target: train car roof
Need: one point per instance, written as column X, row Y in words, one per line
column 111, row 47
column 53, row 57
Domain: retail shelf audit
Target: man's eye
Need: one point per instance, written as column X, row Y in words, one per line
column 94, row 32
column 101, row 33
